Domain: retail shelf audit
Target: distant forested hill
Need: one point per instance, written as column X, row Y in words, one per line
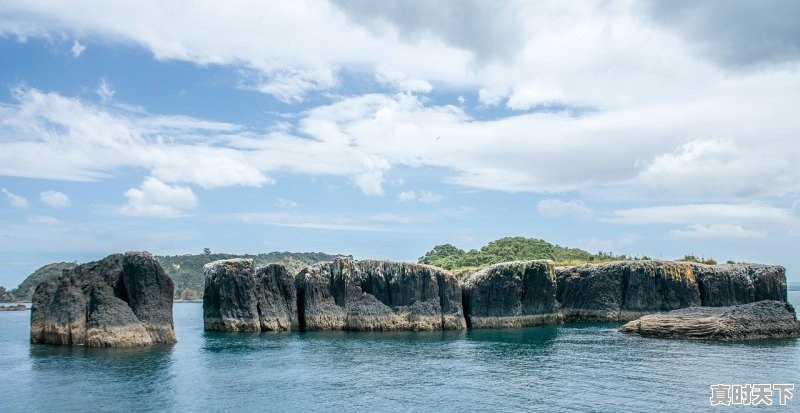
column 510, row 249
column 186, row 271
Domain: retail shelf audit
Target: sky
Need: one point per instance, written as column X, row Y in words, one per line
column 382, row 129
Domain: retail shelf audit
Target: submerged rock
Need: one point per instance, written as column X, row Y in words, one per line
column 513, row 294
column 120, row 301
column 760, row 320
column 378, row 295
column 239, row 298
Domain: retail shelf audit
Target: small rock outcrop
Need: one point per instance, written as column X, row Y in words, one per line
column 378, row 295
column 122, row 300
column 513, row 294
column 760, row 320
column 18, row 307
column 238, row 297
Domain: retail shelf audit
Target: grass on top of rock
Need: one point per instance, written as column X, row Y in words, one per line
column 508, row 249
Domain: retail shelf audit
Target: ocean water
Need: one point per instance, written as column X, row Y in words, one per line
column 588, row 367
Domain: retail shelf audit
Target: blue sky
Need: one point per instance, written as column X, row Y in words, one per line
column 383, row 129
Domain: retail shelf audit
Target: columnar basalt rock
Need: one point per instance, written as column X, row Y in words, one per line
column 759, row 320
column 622, row 291
column 513, row 294
column 378, row 295
column 120, row 301
column 239, row 298
column 732, row 284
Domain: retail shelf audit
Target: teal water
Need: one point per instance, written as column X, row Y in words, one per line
column 567, row 368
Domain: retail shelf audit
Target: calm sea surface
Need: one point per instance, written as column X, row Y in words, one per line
column 566, row 368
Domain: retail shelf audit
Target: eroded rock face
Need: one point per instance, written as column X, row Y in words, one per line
column 122, row 300
column 621, row 291
column 378, row 295
column 532, row 293
column 513, row 294
column 732, row 284
column 760, row 320
column 239, row 298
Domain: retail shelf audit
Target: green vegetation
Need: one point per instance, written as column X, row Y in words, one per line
column 511, row 249
column 5, row 296
column 186, row 271
column 24, row 291
column 692, row 258
column 522, row 249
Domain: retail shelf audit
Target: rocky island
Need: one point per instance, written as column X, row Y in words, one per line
column 347, row 294
column 18, row 307
column 122, row 300
column 760, row 320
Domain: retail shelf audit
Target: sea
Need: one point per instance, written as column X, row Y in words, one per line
column 575, row 367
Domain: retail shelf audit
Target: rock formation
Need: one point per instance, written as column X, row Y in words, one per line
column 535, row 292
column 239, row 298
column 760, row 320
column 122, row 300
column 378, row 295
column 621, row 291
column 513, row 294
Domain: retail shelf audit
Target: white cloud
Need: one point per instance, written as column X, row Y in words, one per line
column 105, row 90
column 715, row 231
column 14, row 200
column 77, row 49
column 371, row 183
column 704, row 214
column 55, row 199
column 42, row 220
column 423, row 196
column 154, row 198
column 286, row 203
column 557, row 208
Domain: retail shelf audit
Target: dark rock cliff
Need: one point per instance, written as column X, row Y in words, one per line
column 378, row 295
column 121, row 300
column 239, row 298
column 521, row 293
column 514, row 294
column 759, row 320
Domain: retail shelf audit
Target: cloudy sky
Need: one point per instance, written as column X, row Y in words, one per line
column 381, row 129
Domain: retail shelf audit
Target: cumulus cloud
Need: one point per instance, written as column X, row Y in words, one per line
column 17, row 201
column 77, row 49
column 557, row 208
column 639, row 106
column 424, row 196
column 55, row 199
column 714, row 231
column 154, row 198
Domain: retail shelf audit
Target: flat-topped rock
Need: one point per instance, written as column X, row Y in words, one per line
column 237, row 297
column 378, row 295
column 512, row 294
column 120, row 301
column 760, row 320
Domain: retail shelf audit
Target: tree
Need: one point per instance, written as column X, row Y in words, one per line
column 207, row 251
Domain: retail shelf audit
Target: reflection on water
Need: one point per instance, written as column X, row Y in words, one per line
column 588, row 367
